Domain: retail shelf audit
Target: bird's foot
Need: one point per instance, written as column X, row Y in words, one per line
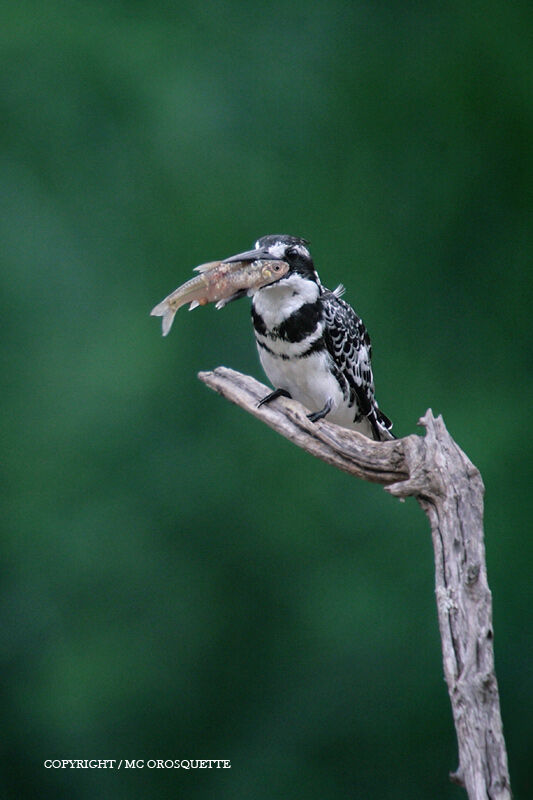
column 273, row 395
column 322, row 413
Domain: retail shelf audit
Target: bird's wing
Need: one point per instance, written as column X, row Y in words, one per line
column 348, row 343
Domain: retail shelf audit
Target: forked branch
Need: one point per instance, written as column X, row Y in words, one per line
column 449, row 489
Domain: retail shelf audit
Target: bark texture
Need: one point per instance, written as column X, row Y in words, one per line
column 449, row 488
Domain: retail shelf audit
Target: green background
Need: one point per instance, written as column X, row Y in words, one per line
column 178, row 580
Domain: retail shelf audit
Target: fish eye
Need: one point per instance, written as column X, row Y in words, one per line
column 276, row 267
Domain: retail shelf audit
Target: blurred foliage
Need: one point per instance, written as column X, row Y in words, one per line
column 178, row 581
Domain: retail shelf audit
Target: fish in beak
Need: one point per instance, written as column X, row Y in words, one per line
column 220, row 282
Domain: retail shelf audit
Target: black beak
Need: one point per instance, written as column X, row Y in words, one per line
column 252, row 255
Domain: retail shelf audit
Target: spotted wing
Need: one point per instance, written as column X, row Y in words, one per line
column 348, row 343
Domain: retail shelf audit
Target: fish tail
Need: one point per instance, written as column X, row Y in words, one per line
column 165, row 310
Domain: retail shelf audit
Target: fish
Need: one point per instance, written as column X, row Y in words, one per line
column 218, row 282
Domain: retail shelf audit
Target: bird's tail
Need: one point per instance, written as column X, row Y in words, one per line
column 384, row 426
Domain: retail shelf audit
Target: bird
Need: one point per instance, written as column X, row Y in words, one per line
column 312, row 345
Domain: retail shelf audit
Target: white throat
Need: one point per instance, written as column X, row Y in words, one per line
column 279, row 300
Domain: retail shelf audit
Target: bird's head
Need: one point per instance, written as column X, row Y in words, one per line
column 290, row 249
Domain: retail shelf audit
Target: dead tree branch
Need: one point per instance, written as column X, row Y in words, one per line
column 448, row 487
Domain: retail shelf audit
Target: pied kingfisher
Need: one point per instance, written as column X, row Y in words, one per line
column 312, row 345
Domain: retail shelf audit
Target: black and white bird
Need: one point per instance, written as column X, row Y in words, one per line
column 312, row 345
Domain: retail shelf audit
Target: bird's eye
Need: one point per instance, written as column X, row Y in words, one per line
column 291, row 251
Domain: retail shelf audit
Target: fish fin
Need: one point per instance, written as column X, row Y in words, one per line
column 224, row 302
column 339, row 291
column 194, row 305
column 207, row 267
column 164, row 310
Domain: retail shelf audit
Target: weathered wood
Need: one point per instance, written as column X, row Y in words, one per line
column 448, row 487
